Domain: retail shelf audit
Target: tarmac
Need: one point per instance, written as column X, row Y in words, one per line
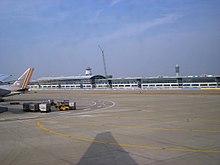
column 113, row 127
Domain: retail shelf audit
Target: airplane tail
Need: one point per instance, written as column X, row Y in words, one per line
column 22, row 82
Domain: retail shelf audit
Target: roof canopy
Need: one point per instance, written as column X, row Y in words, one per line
column 71, row 78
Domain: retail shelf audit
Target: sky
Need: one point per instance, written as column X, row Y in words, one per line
column 140, row 38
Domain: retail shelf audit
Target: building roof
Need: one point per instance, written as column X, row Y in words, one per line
column 71, row 78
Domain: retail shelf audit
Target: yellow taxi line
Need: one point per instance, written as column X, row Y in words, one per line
column 124, row 145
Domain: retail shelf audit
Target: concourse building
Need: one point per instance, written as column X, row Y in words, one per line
column 90, row 81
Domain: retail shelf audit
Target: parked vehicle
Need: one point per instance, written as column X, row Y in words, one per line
column 46, row 106
column 66, row 105
column 31, row 107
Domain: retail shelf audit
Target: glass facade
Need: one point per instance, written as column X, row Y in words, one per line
column 99, row 81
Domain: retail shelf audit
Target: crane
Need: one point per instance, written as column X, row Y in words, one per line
column 103, row 58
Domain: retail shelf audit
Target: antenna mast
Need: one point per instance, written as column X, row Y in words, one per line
column 103, row 57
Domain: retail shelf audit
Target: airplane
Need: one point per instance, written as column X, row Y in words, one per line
column 18, row 87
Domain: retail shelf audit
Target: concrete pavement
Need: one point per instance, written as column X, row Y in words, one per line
column 113, row 129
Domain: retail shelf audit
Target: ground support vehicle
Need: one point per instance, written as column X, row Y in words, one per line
column 31, row 107
column 45, row 107
column 66, row 105
column 63, row 107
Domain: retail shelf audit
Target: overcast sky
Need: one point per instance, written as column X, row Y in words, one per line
column 139, row 37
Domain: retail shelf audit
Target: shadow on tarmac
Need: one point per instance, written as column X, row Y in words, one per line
column 100, row 154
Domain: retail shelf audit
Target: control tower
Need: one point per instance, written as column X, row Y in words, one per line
column 177, row 69
column 88, row 71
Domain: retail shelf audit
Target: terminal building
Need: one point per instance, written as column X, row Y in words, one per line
column 90, row 81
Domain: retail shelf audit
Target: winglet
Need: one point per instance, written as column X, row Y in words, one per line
column 22, row 82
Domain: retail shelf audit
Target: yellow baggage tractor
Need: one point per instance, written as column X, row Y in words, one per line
column 66, row 105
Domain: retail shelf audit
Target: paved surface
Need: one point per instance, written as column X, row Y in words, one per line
column 113, row 129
